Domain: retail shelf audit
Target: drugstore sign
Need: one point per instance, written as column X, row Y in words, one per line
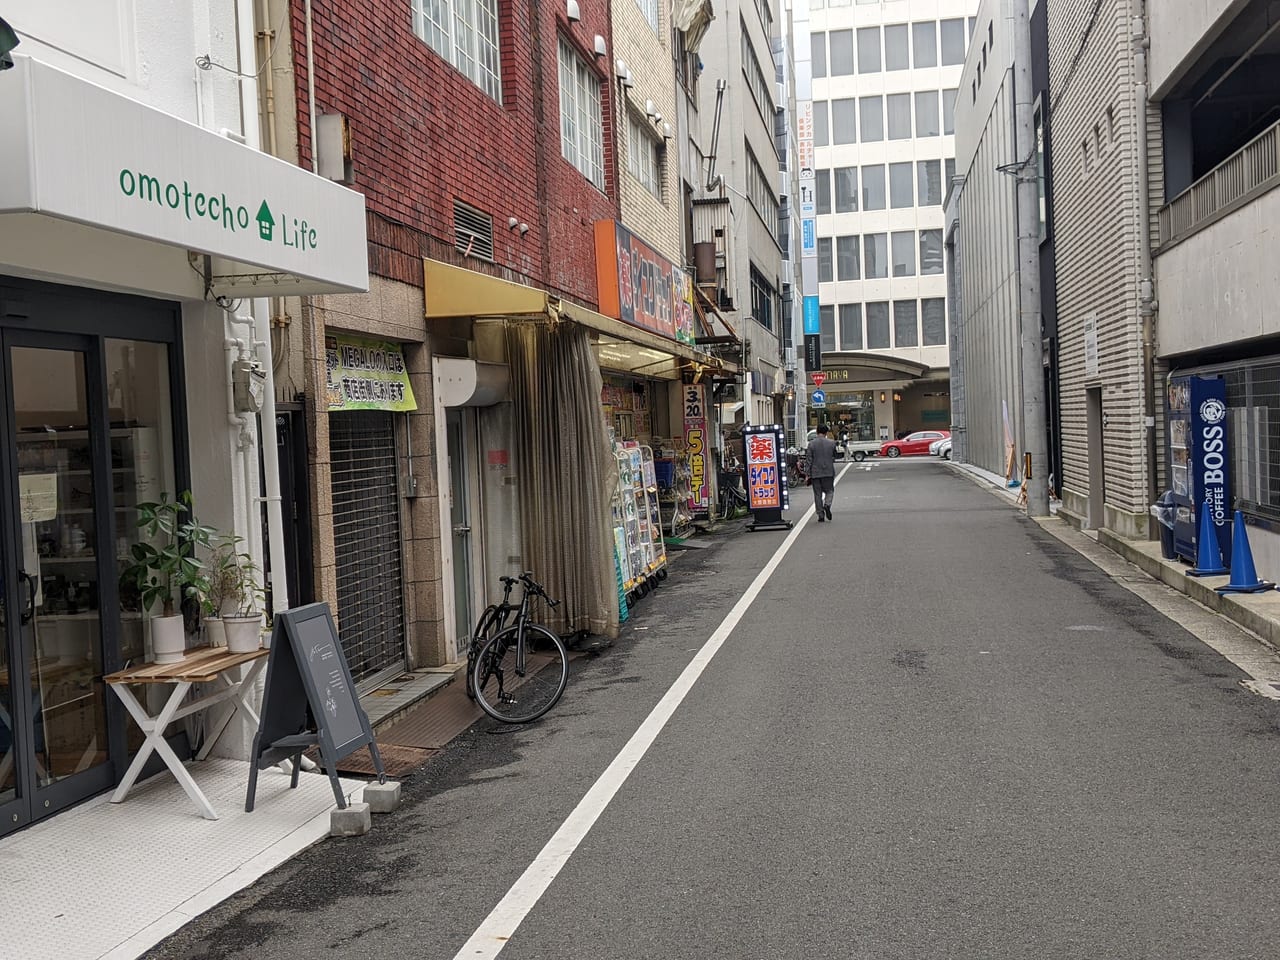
column 641, row 287
column 106, row 161
column 764, row 474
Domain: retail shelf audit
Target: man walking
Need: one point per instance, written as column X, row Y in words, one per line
column 822, row 471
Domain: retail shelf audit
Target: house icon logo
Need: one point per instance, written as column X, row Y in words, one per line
column 266, row 222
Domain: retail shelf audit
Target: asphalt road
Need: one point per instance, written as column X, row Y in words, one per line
column 936, row 733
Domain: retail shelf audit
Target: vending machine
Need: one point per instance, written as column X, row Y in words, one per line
column 1198, row 461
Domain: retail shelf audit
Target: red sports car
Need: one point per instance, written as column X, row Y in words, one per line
column 912, row 445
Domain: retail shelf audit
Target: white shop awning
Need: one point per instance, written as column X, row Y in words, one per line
column 84, row 165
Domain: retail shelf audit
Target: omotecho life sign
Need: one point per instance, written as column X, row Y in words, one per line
column 110, row 162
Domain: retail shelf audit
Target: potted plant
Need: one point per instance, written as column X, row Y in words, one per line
column 222, row 588
column 164, row 568
column 244, row 626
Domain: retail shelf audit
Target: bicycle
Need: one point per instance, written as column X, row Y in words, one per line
column 733, row 499
column 505, row 677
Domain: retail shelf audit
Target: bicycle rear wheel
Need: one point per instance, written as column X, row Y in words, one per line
column 512, row 697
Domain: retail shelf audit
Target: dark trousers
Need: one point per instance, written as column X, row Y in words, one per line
column 822, row 487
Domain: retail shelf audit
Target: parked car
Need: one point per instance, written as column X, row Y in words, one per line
column 913, row 444
column 941, row 448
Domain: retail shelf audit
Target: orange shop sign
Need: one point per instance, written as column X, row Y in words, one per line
column 641, row 287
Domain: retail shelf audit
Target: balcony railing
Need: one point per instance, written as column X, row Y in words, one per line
column 1250, row 171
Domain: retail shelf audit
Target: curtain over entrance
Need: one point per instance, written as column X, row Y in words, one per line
column 569, row 472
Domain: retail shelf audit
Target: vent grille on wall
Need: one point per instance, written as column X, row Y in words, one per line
column 472, row 231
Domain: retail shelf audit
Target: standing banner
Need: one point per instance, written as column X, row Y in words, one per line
column 767, row 493
column 695, row 441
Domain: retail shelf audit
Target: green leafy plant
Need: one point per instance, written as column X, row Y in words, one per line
column 222, row 577
column 248, row 592
column 165, row 567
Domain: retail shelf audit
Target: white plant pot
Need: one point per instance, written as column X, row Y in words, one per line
column 215, row 631
column 168, row 639
column 244, row 634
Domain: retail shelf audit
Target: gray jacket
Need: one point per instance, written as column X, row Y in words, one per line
column 822, row 456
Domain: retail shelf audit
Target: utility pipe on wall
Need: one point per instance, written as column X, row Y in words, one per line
column 1147, row 304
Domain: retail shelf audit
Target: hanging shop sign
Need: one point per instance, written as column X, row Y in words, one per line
column 641, row 287
column 366, row 375
column 110, row 162
column 695, row 442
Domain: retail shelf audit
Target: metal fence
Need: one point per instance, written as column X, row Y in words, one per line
column 1253, row 402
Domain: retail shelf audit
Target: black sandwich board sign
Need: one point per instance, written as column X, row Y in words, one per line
column 307, row 668
column 767, row 492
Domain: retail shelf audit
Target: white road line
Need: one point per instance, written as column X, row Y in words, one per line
column 501, row 924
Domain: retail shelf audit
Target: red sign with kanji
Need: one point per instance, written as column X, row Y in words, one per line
column 764, row 484
column 819, row 378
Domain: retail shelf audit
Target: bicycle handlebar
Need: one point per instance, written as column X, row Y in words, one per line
column 536, row 588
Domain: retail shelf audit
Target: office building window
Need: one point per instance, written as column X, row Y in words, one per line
column 877, row 326
column 840, row 63
column 644, row 156
column 948, row 112
column 898, row 107
column 822, row 191
column 930, row 253
column 821, row 135
column 850, row 326
column 906, row 331
column 465, row 33
column 847, row 261
column 869, row 50
column 875, row 256
column 581, row 126
column 846, row 189
column 872, row 111
column 929, row 182
column 760, row 84
column 873, row 187
column 952, row 41
column 826, row 272
column 904, row 253
column 760, row 192
column 951, row 169
column 827, row 322
column 818, row 54
column 897, row 55
column 844, row 121
column 762, row 297
column 933, row 315
column 924, row 44
column 901, row 192
column 927, row 113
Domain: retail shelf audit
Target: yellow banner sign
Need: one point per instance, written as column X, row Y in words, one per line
column 367, row 375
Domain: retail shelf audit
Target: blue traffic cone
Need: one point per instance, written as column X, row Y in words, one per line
column 1208, row 553
column 1244, row 579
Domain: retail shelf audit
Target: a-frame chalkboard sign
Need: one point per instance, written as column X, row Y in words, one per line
column 307, row 668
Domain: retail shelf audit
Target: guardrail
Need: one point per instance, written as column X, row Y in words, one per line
column 1252, row 170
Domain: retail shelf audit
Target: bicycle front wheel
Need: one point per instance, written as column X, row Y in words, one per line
column 510, row 695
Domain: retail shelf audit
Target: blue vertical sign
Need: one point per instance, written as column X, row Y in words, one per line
column 812, row 323
column 1198, row 461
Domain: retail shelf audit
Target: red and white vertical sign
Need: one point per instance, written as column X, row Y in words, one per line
column 695, row 441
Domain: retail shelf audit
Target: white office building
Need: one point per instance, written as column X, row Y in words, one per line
column 885, row 80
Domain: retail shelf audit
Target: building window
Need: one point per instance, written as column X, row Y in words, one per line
column 757, row 82
column 927, row 113
column 872, row 113
column 841, row 62
column 948, row 112
column 644, row 157
column 650, row 9
column 873, row 187
column 869, row 50
column 850, row 326
column 933, row 312
column 924, row 44
column 581, row 126
column 904, row 253
column 766, row 15
column 897, row 54
column 951, row 169
column 822, row 187
column 901, row 192
column 818, row 54
column 821, row 134
column 875, row 257
column 465, row 33
column 826, row 270
column 929, row 182
column 762, row 297
column 827, row 322
column 898, row 107
column 847, row 265
column 952, row 42
column 760, row 193
column 930, row 253
column 905, row 328
column 847, row 190
column 877, row 326
column 844, row 121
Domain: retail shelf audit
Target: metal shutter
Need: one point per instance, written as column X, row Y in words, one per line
column 366, row 534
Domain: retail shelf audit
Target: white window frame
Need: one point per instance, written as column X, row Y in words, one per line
column 645, row 159
column 581, row 115
column 650, row 9
column 465, row 33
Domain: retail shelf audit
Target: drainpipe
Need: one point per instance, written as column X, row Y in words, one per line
column 311, row 85
column 1147, row 303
